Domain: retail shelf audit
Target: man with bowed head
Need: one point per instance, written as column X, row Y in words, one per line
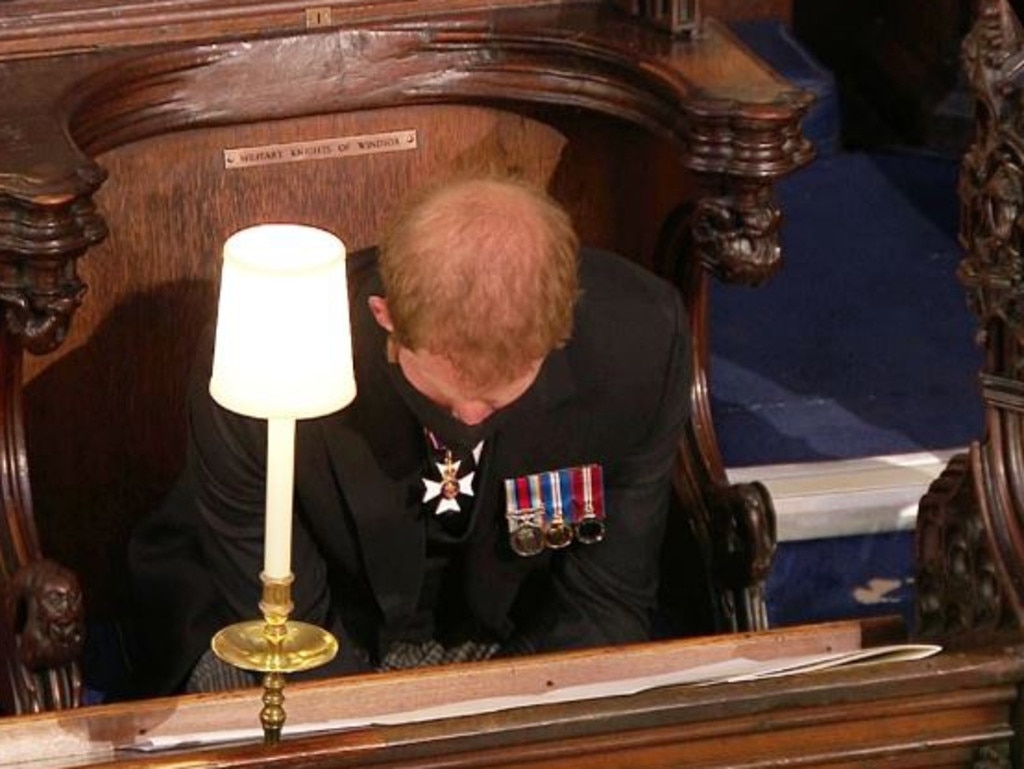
column 500, row 484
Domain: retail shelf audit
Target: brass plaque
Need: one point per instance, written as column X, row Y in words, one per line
column 321, row 149
column 318, row 17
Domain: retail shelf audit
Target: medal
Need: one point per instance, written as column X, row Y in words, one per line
column 551, row 509
column 557, row 533
column 525, row 524
column 526, row 535
column 447, row 490
column 589, row 521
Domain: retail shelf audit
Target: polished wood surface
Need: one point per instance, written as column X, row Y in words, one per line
column 954, row 709
column 746, row 10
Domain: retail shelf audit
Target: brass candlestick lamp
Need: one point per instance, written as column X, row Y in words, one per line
column 283, row 352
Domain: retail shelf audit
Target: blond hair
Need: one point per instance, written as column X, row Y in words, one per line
column 484, row 272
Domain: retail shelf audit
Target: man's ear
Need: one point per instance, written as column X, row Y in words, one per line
column 381, row 314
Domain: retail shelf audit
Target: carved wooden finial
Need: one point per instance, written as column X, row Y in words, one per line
column 40, row 242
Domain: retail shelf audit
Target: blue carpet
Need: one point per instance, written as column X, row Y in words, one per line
column 842, row 578
column 863, row 345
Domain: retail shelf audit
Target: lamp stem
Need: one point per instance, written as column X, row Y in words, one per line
column 273, row 715
column 277, row 545
column 276, row 606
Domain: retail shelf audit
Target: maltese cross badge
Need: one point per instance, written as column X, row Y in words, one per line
column 447, row 490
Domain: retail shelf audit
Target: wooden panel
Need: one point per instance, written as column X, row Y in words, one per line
column 34, row 26
column 743, row 10
column 949, row 710
column 171, row 203
column 152, row 282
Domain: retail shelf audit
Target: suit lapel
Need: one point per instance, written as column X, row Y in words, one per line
column 390, row 531
column 377, row 457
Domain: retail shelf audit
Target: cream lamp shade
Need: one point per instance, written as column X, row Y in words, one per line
column 283, row 341
column 283, row 351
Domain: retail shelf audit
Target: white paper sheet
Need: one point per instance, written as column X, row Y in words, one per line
column 730, row 671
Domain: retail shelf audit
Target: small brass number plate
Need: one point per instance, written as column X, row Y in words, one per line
column 318, row 17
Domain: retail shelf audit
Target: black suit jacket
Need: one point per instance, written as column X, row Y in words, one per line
column 616, row 395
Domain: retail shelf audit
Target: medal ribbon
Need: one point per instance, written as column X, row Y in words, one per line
column 511, row 497
column 556, row 502
column 588, row 492
column 552, row 498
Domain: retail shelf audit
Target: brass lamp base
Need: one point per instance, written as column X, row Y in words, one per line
column 273, row 646
column 246, row 645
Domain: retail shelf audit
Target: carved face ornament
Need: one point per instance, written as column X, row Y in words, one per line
column 46, row 613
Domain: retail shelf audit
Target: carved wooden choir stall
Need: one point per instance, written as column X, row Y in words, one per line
column 134, row 138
